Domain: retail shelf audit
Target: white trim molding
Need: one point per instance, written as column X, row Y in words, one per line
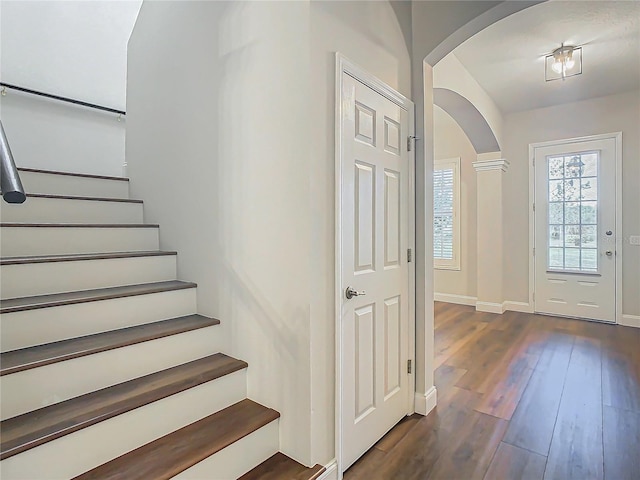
column 490, row 307
column 425, row 402
column 630, row 320
column 457, row 299
column 511, row 306
column 485, row 165
column 453, row 165
column 330, row 471
column 507, row 305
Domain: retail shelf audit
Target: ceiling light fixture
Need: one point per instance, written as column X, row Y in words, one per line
column 563, row 62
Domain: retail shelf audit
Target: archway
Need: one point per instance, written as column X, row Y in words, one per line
column 457, row 22
column 469, row 118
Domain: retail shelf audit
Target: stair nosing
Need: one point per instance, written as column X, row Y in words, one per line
column 79, row 225
column 72, row 174
column 82, row 197
column 154, row 287
column 278, row 464
column 118, row 406
column 177, row 438
column 77, row 347
column 33, row 259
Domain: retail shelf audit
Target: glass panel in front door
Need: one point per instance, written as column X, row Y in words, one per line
column 572, row 218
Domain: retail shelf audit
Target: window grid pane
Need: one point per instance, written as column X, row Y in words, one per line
column 573, row 212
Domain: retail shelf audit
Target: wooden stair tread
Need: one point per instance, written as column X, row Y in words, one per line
column 72, row 174
column 281, row 467
column 80, row 197
column 45, row 424
column 39, row 355
column 81, row 256
column 79, row 225
column 169, row 455
column 69, row 298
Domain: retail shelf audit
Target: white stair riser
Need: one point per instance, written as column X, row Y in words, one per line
column 28, row 390
column 78, row 452
column 25, row 280
column 50, row 184
column 238, row 458
column 62, row 210
column 22, row 241
column 45, row 325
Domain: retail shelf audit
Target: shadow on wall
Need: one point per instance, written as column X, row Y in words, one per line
column 213, row 101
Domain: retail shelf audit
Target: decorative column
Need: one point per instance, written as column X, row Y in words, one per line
column 490, row 176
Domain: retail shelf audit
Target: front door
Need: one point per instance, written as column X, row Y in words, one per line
column 374, row 241
column 575, row 229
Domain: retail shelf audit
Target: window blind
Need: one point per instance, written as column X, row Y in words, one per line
column 443, row 213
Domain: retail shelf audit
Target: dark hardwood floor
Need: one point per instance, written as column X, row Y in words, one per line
column 520, row 396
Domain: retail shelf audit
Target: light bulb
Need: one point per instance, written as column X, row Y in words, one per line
column 563, row 60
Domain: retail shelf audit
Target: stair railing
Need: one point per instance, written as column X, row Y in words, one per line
column 10, row 184
column 30, row 91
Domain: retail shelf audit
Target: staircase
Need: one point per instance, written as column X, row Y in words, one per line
column 107, row 371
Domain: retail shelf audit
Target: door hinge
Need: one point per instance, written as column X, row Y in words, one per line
column 534, row 296
column 410, row 139
column 533, row 162
column 409, row 255
column 408, row 366
column 534, row 251
column 534, row 207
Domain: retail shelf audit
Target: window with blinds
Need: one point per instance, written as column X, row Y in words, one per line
column 446, row 225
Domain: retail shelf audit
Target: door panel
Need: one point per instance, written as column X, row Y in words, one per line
column 375, row 228
column 575, row 229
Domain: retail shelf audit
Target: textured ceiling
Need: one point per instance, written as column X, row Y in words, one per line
column 507, row 58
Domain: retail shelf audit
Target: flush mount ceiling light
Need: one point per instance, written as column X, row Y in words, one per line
column 563, row 62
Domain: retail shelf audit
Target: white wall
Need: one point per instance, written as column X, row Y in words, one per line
column 590, row 117
column 450, row 141
column 217, row 145
column 237, row 165
column 75, row 49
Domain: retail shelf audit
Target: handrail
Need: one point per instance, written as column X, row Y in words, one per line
column 12, row 189
column 63, row 99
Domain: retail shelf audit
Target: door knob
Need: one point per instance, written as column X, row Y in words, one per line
column 351, row 292
column 608, row 253
column 609, row 233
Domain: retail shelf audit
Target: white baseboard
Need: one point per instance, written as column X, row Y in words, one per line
column 517, row 306
column 330, row 472
column 630, row 320
column 457, row 299
column 425, row 402
column 483, row 306
column 490, row 307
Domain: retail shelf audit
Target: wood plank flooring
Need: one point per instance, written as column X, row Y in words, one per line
column 520, row 396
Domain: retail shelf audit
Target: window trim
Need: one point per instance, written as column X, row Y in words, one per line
column 454, row 263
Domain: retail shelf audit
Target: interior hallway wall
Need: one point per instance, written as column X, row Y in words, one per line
column 237, row 165
column 74, row 49
column 615, row 113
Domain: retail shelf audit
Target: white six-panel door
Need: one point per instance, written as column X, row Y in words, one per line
column 375, row 237
column 575, row 229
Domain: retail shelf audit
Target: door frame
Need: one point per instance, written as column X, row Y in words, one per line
column 617, row 136
column 344, row 65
